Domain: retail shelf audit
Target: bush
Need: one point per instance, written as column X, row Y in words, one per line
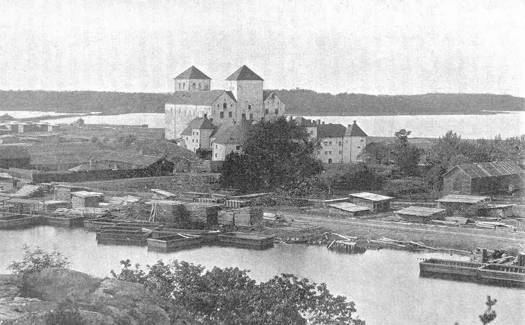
column 405, row 186
column 36, row 260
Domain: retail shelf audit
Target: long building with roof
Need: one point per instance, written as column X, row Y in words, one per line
column 244, row 99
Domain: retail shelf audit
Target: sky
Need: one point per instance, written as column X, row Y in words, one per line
column 368, row 46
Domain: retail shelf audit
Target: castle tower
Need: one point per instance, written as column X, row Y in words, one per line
column 353, row 143
column 247, row 87
column 192, row 79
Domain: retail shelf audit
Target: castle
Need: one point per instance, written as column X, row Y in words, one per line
column 218, row 120
column 244, row 100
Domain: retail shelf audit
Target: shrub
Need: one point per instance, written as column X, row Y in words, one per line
column 36, row 259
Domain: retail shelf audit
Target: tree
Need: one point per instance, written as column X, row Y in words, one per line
column 230, row 296
column 277, row 154
column 489, row 315
column 406, row 156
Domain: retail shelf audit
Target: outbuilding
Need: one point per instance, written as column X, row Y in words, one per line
column 353, row 210
column 375, row 202
column 85, row 199
column 421, row 214
column 457, row 204
column 497, row 210
column 483, row 178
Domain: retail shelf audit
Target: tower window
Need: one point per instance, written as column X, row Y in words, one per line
column 276, row 111
column 266, row 111
column 230, row 114
column 224, row 106
column 249, row 106
column 193, row 85
column 221, row 115
column 243, row 116
column 251, row 116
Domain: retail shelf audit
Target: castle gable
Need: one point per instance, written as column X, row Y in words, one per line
column 198, row 98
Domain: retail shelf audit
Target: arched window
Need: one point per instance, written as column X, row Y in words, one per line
column 249, row 106
column 224, row 106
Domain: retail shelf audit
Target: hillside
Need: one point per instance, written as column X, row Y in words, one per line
column 298, row 101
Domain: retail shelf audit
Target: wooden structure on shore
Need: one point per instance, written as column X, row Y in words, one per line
column 376, row 203
column 245, row 240
column 499, row 274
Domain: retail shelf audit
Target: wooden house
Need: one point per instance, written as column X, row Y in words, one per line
column 483, row 178
column 375, row 202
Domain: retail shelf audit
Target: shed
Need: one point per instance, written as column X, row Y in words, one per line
column 421, row 214
column 462, row 204
column 203, row 213
column 497, row 210
column 483, row 178
column 352, row 209
column 52, row 205
column 85, row 199
column 242, row 217
column 376, row 203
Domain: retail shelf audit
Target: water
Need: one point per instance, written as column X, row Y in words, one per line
column 507, row 124
column 385, row 285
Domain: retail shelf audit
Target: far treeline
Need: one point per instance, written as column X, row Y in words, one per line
column 298, row 101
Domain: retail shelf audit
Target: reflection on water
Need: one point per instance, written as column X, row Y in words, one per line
column 384, row 284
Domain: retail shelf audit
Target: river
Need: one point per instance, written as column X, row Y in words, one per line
column 385, row 284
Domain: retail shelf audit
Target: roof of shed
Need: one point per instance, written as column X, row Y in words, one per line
column 420, row 211
column 330, row 131
column 192, row 73
column 488, row 169
column 244, row 73
column 198, row 123
column 371, row 196
column 201, row 98
column 350, row 207
column 459, row 198
column 86, row 194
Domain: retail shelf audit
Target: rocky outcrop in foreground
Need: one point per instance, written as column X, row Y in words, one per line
column 99, row 301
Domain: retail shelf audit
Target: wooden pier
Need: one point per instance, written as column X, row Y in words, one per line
column 345, row 246
column 122, row 235
column 59, row 220
column 13, row 221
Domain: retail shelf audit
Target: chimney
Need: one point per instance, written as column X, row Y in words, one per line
column 355, row 122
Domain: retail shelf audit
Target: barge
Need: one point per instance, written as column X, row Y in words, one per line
column 122, row 235
column 173, row 242
column 60, row 220
column 498, row 274
column 13, row 221
column 245, row 240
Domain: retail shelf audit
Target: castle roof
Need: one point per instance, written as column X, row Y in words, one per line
column 268, row 93
column 330, row 131
column 244, row 73
column 198, row 123
column 232, row 134
column 202, row 98
column 354, row 130
column 192, row 73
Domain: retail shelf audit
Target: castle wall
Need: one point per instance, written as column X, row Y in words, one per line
column 249, row 95
column 177, row 117
column 352, row 148
column 192, row 84
column 273, row 108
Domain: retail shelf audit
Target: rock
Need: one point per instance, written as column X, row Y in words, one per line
column 99, row 301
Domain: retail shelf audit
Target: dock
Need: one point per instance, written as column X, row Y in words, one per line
column 122, row 235
column 497, row 274
column 60, row 220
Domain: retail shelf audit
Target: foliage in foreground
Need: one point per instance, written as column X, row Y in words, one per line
column 36, row 259
column 230, row 296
